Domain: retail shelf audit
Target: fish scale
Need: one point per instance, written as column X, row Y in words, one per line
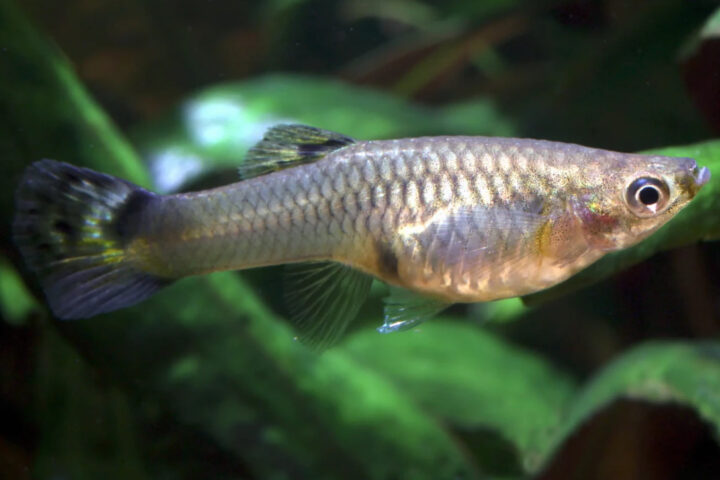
column 458, row 219
column 388, row 180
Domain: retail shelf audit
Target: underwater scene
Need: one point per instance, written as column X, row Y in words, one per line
column 359, row 239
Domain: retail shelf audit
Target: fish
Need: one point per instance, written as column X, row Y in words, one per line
column 442, row 220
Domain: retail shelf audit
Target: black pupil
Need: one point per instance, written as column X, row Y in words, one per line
column 648, row 195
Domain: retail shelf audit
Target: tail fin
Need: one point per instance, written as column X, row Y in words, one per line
column 72, row 225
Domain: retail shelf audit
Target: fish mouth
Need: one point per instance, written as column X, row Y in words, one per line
column 702, row 176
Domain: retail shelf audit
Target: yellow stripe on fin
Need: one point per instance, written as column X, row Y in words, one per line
column 72, row 226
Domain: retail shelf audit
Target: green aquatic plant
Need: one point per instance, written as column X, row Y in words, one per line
column 207, row 369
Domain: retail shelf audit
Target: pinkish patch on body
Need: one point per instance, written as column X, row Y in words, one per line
column 595, row 226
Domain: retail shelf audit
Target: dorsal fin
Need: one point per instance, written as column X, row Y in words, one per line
column 285, row 146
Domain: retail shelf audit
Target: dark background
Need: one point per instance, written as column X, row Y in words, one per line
column 614, row 74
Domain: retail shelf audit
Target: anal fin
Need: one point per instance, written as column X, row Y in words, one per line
column 323, row 298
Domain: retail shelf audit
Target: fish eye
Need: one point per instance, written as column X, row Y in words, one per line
column 647, row 196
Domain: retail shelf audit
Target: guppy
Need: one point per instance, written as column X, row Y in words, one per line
column 454, row 219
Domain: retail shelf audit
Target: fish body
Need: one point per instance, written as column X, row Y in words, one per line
column 463, row 218
column 458, row 219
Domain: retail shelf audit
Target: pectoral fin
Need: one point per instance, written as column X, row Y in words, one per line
column 405, row 309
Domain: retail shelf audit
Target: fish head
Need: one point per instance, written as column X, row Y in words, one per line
column 631, row 196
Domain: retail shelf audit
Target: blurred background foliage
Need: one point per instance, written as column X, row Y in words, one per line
column 614, row 374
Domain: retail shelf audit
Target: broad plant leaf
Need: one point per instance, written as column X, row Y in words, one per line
column 678, row 372
column 68, row 391
column 709, row 31
column 16, row 302
column 228, row 366
column 206, row 349
column 471, row 379
column 602, row 95
column 211, row 357
column 701, row 69
column 214, row 128
column 46, row 112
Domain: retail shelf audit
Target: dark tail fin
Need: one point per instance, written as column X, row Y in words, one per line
column 72, row 225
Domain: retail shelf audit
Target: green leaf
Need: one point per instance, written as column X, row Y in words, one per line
column 470, row 379
column 621, row 89
column 222, row 368
column 206, row 350
column 88, row 428
column 16, row 302
column 473, row 380
column 709, row 31
column 227, row 365
column 215, row 127
column 678, row 372
column 712, row 26
column 49, row 113
column 699, row 221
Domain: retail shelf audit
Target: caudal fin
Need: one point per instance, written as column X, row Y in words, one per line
column 72, row 226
